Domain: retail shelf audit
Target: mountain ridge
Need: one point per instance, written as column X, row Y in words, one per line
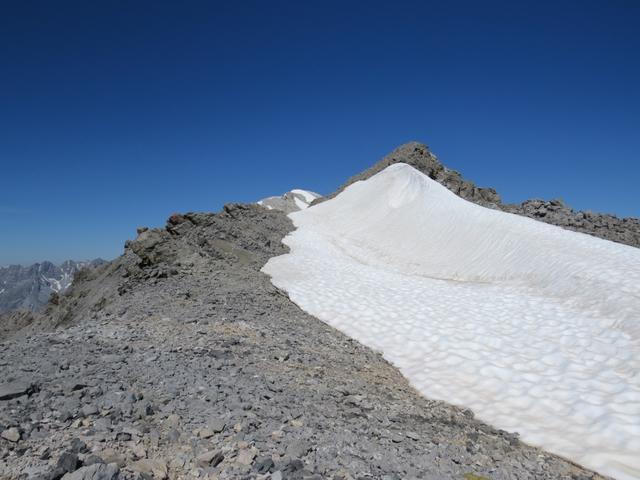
column 180, row 358
column 555, row 212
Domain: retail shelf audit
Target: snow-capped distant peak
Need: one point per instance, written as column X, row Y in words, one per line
column 292, row 201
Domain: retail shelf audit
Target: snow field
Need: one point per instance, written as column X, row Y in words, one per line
column 533, row 327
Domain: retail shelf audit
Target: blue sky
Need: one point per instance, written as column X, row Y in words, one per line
column 116, row 114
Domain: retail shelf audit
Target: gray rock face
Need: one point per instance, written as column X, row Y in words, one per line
column 199, row 367
column 96, row 471
column 11, row 390
column 555, row 212
column 31, row 287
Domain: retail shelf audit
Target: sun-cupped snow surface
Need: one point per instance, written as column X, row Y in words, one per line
column 535, row 328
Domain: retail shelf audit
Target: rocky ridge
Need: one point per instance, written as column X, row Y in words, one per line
column 555, row 212
column 181, row 360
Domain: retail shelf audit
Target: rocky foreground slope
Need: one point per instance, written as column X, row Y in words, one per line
column 181, row 360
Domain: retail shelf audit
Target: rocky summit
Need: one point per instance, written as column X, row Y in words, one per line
column 554, row 212
column 181, row 360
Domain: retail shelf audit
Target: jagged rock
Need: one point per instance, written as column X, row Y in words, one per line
column 14, row 389
column 12, row 434
column 67, row 462
column 155, row 467
column 152, row 246
column 211, row 458
column 96, row 471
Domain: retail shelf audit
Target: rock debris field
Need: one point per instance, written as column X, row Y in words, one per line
column 181, row 360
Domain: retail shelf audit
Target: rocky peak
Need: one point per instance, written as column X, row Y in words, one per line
column 554, row 212
column 421, row 158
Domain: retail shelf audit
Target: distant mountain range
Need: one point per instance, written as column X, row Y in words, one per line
column 30, row 287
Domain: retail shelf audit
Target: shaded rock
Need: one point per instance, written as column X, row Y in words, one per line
column 211, row 458
column 264, row 465
column 67, row 462
column 12, row 390
column 217, row 425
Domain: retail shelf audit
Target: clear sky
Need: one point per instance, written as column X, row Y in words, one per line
column 115, row 114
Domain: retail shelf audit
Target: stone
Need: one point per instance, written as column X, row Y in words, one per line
column 96, row 471
column 206, row 433
column 264, row 465
column 211, row 458
column 139, row 451
column 68, row 462
column 78, row 446
column 109, row 455
column 89, row 410
column 217, row 425
column 12, row 390
column 298, row 449
column 123, row 437
column 64, row 415
column 412, row 435
column 155, row 467
column 172, row 420
column 74, row 386
column 173, row 435
column 246, row 456
column 92, row 460
column 12, row 434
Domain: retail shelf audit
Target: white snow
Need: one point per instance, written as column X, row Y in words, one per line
column 301, row 204
column 53, row 283
column 293, row 200
column 533, row 327
column 308, row 196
